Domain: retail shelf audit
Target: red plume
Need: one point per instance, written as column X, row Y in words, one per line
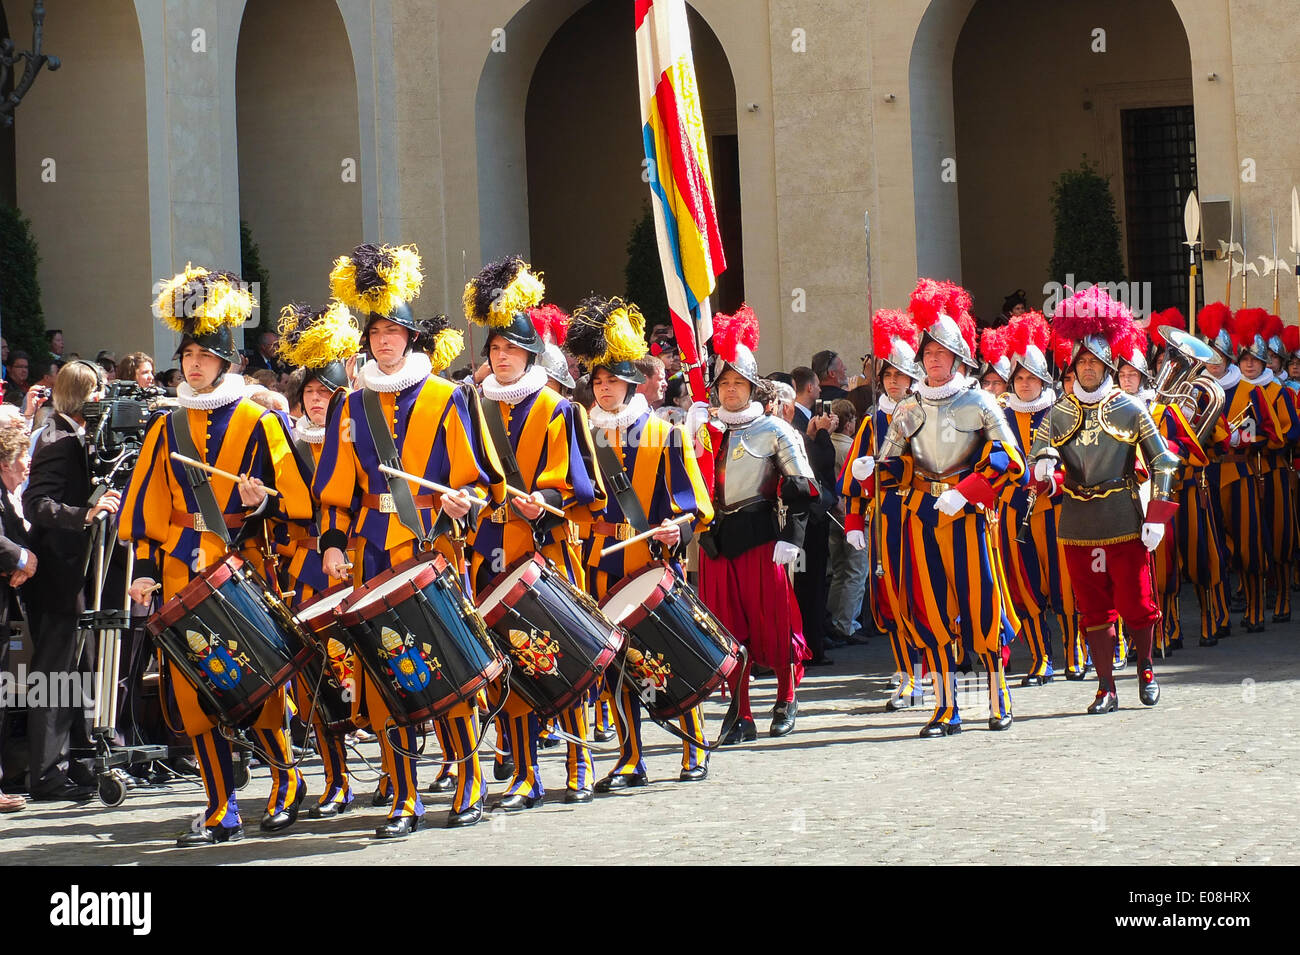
column 732, row 330
column 1272, row 326
column 1213, row 318
column 1134, row 343
column 1170, row 316
column 1246, row 324
column 993, row 344
column 930, row 298
column 551, row 322
column 889, row 323
column 1092, row 312
column 1061, row 350
column 1291, row 338
column 1028, row 328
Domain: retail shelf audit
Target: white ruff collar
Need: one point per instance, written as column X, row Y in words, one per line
column 1148, row 395
column 1230, row 377
column 886, row 404
column 1046, row 399
column 1092, row 397
column 736, row 419
column 531, row 382
column 304, row 430
column 618, row 420
column 416, row 368
column 1267, row 378
column 958, row 382
column 230, row 390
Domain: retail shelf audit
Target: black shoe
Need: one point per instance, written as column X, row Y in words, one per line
column 857, row 639
column 79, row 774
column 699, row 773
column 1209, row 641
column 1000, row 722
column 1224, row 631
column 443, row 784
column 503, row 770
column 287, row 816
column 210, row 836
column 937, row 728
column 548, row 742
column 1035, row 679
column 67, row 791
column 1255, row 627
column 1177, row 643
column 901, row 701
column 1148, row 688
column 1105, row 702
column 381, row 798
column 621, row 781
column 605, row 735
column 462, row 820
column 783, row 715
column 517, row 802
column 1236, row 606
column 398, row 828
column 822, row 661
column 743, row 732
column 1074, row 676
column 577, row 795
column 330, row 809
column 1282, row 618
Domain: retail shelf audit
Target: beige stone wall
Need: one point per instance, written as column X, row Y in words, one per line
column 92, row 221
column 296, row 99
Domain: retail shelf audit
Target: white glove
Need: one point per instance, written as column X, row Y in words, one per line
column 1044, row 468
column 862, row 467
column 785, row 553
column 950, row 501
column 1152, row 535
column 1235, row 438
column 856, row 539
column 697, row 417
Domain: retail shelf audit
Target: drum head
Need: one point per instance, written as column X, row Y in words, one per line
column 392, row 586
column 643, row 591
column 323, row 604
column 525, row 571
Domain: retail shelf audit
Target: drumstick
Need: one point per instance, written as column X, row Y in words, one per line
column 431, row 485
column 217, row 471
column 683, row 519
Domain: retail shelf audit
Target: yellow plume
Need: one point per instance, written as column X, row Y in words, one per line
column 376, row 278
column 314, row 339
column 624, row 334
column 447, row 345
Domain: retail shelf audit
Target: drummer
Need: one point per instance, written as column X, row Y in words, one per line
column 320, row 343
column 436, row 433
column 645, row 454
column 551, row 447
column 163, row 514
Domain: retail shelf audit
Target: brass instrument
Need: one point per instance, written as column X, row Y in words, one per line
column 1184, row 384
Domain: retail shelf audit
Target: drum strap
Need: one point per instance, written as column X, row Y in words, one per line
column 403, row 500
column 501, row 441
column 303, row 450
column 616, row 480
column 199, row 483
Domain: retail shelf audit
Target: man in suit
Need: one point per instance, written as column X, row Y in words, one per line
column 806, row 392
column 17, row 563
column 57, row 504
column 831, row 374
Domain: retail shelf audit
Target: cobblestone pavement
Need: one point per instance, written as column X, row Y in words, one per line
column 1207, row 777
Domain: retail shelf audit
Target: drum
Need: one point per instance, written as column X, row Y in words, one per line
column 557, row 638
column 418, row 637
column 233, row 638
column 334, row 686
column 677, row 653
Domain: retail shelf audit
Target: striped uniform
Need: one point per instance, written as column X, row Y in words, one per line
column 1276, row 506
column 1233, row 475
column 552, row 446
column 1198, row 557
column 240, row 437
column 438, row 431
column 666, row 478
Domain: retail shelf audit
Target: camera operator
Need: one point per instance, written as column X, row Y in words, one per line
column 58, row 506
column 17, row 563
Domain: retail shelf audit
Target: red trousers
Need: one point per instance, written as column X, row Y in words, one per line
column 1112, row 580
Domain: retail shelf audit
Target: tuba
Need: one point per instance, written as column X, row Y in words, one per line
column 1183, row 383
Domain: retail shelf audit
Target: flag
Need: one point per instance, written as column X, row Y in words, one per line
column 686, row 223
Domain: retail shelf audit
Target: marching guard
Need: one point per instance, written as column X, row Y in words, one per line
column 183, row 521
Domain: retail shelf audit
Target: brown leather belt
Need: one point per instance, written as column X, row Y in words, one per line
column 1237, row 456
column 384, row 502
column 622, row 531
column 195, row 521
column 934, row 485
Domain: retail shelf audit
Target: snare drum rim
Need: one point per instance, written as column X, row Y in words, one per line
column 662, row 589
column 511, row 596
column 188, row 598
column 435, row 565
column 326, row 618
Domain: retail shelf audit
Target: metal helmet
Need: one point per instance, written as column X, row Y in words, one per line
column 902, row 358
column 1098, row 347
column 744, row 364
column 399, row 314
column 556, row 365
column 1001, row 368
column 1276, row 346
column 219, row 342
column 519, row 332
column 332, row 375
column 1138, row 362
column 1034, row 362
column 946, row 332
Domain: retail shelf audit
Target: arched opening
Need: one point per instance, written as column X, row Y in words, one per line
column 1031, row 88
column 299, row 145
column 560, row 150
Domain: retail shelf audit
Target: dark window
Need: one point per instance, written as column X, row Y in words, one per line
column 1159, row 174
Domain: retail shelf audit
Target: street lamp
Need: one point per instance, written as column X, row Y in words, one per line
column 34, row 60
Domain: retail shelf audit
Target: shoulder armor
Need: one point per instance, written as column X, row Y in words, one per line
column 972, row 409
column 908, row 417
column 759, row 437
column 1064, row 420
column 1119, row 414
